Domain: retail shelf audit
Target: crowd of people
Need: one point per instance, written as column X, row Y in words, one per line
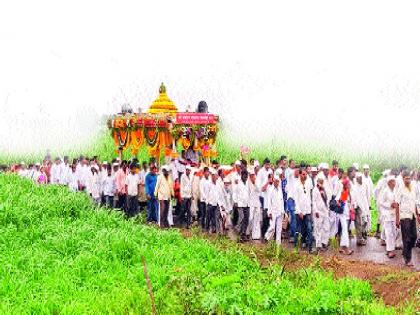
column 307, row 205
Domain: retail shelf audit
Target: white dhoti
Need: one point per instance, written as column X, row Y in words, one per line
column 333, row 228
column 390, row 231
column 344, row 237
column 275, row 226
column 398, row 239
column 170, row 214
column 321, row 230
column 254, row 226
column 369, row 222
column 194, row 207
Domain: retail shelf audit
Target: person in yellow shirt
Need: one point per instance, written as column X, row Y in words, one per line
column 164, row 191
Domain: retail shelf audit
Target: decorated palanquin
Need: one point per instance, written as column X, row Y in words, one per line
column 162, row 129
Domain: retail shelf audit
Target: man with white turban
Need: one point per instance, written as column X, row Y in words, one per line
column 380, row 186
column 360, row 196
column 388, row 204
column 275, row 211
column 255, row 210
column 320, row 212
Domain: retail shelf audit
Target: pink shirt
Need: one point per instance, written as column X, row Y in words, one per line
column 120, row 181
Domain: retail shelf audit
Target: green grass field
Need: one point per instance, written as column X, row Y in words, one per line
column 62, row 255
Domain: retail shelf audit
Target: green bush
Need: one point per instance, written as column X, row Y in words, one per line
column 62, row 255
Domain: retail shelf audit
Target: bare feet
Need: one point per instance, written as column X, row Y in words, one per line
column 391, row 254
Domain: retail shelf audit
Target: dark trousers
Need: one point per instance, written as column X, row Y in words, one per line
column 132, row 204
column 409, row 237
column 185, row 210
column 235, row 216
column 265, row 222
column 152, row 207
column 164, row 210
column 211, row 218
column 244, row 221
column 121, row 203
column 361, row 225
column 142, row 205
column 109, row 201
column 304, row 228
column 202, row 207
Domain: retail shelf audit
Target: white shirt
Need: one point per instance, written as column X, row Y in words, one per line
column 319, row 206
column 328, row 186
column 204, row 189
column 36, row 175
column 109, row 185
column 64, row 173
column 407, row 201
column 228, row 199
column 386, row 198
column 186, row 186
column 303, row 198
column 174, row 170
column 72, row 181
column 55, row 173
column 338, row 189
column 179, row 166
column 262, row 179
column 93, row 186
column 275, row 202
column 132, row 182
column 196, row 187
column 417, row 189
column 291, row 184
column 23, row 173
column 83, row 175
column 368, row 181
column 254, row 195
column 242, row 194
column 234, row 177
column 379, row 187
column 215, row 196
column 142, row 176
column 360, row 197
column 30, row 173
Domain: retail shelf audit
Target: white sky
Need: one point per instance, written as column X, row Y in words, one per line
column 342, row 73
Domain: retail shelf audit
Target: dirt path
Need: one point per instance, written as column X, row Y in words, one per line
column 396, row 284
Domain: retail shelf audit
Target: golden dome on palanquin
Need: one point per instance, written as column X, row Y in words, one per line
column 162, row 104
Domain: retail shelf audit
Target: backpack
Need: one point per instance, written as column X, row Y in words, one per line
column 339, row 209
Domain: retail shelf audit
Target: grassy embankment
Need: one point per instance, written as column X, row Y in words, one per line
column 62, row 255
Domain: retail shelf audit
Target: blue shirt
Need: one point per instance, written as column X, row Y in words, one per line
column 150, row 184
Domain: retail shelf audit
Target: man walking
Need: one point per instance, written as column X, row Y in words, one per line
column 149, row 187
column 389, row 208
column 132, row 183
column 204, row 188
column 186, row 196
column 303, row 210
column 275, row 211
column 164, row 192
column 360, row 198
column 406, row 215
column 242, row 199
column 264, row 182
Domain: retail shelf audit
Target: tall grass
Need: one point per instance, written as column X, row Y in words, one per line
column 103, row 146
column 62, row 255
